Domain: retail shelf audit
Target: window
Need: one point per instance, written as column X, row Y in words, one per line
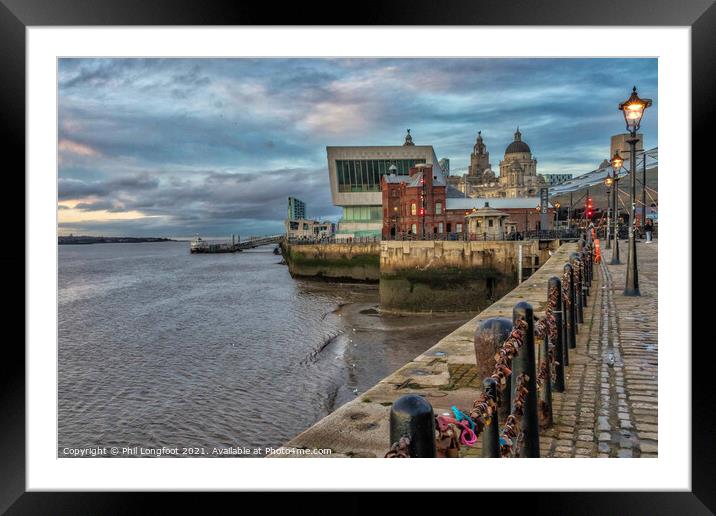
column 440, row 227
column 414, row 228
column 449, row 227
column 413, row 209
column 363, row 175
column 458, row 228
column 489, row 222
column 438, row 209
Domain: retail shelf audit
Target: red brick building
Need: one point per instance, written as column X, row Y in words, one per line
column 423, row 204
column 414, row 204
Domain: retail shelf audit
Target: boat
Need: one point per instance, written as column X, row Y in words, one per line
column 197, row 245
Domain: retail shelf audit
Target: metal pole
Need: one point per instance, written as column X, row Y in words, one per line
column 545, row 392
column 609, row 216
column 519, row 264
column 615, row 251
column 584, row 275
column 555, row 284
column 643, row 191
column 491, row 433
column 524, row 362
column 576, row 270
column 570, row 313
column 632, row 276
column 412, row 416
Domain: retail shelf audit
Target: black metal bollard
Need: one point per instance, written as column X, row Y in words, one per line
column 560, row 349
column 585, row 264
column 545, row 391
column 585, row 277
column 412, row 416
column 524, row 362
column 570, row 313
column 490, row 335
column 577, row 278
column 491, row 433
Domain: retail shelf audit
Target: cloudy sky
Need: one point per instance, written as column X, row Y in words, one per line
column 174, row 147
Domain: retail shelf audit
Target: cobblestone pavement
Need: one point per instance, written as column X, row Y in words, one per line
column 609, row 406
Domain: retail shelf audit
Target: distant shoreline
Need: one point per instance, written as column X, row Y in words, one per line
column 75, row 240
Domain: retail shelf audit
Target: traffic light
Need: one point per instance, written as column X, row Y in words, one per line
column 589, row 208
column 422, row 212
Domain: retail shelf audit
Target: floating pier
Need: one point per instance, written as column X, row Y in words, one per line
column 199, row 245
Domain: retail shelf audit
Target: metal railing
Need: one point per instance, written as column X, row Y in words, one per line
column 517, row 396
column 334, row 240
column 547, row 234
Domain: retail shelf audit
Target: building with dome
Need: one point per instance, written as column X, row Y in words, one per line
column 517, row 172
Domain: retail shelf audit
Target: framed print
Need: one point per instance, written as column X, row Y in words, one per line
column 278, row 262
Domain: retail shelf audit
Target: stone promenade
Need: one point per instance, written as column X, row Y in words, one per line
column 608, row 409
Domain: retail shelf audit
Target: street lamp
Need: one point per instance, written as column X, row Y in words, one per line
column 608, row 183
column 556, row 214
column 616, row 163
column 633, row 109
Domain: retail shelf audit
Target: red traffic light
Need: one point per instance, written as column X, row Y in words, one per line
column 422, row 211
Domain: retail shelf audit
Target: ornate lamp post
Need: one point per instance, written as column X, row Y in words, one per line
column 556, row 214
column 608, row 182
column 616, row 163
column 633, row 109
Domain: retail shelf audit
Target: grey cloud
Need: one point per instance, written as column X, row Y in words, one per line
column 212, row 144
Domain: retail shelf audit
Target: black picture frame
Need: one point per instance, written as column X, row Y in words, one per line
column 16, row 15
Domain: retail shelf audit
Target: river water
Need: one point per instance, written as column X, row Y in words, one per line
column 161, row 348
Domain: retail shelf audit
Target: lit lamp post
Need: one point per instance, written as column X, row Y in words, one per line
column 556, row 214
column 608, row 182
column 616, row 163
column 633, row 110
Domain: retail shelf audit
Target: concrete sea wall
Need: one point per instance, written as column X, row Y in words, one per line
column 423, row 276
column 344, row 261
column 445, row 375
column 437, row 276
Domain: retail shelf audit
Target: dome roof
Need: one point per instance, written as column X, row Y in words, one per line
column 518, row 145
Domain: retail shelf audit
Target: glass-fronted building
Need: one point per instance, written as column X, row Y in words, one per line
column 296, row 209
column 355, row 173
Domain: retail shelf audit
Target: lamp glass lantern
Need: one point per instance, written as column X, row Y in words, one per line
column 616, row 163
column 633, row 110
column 608, row 181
